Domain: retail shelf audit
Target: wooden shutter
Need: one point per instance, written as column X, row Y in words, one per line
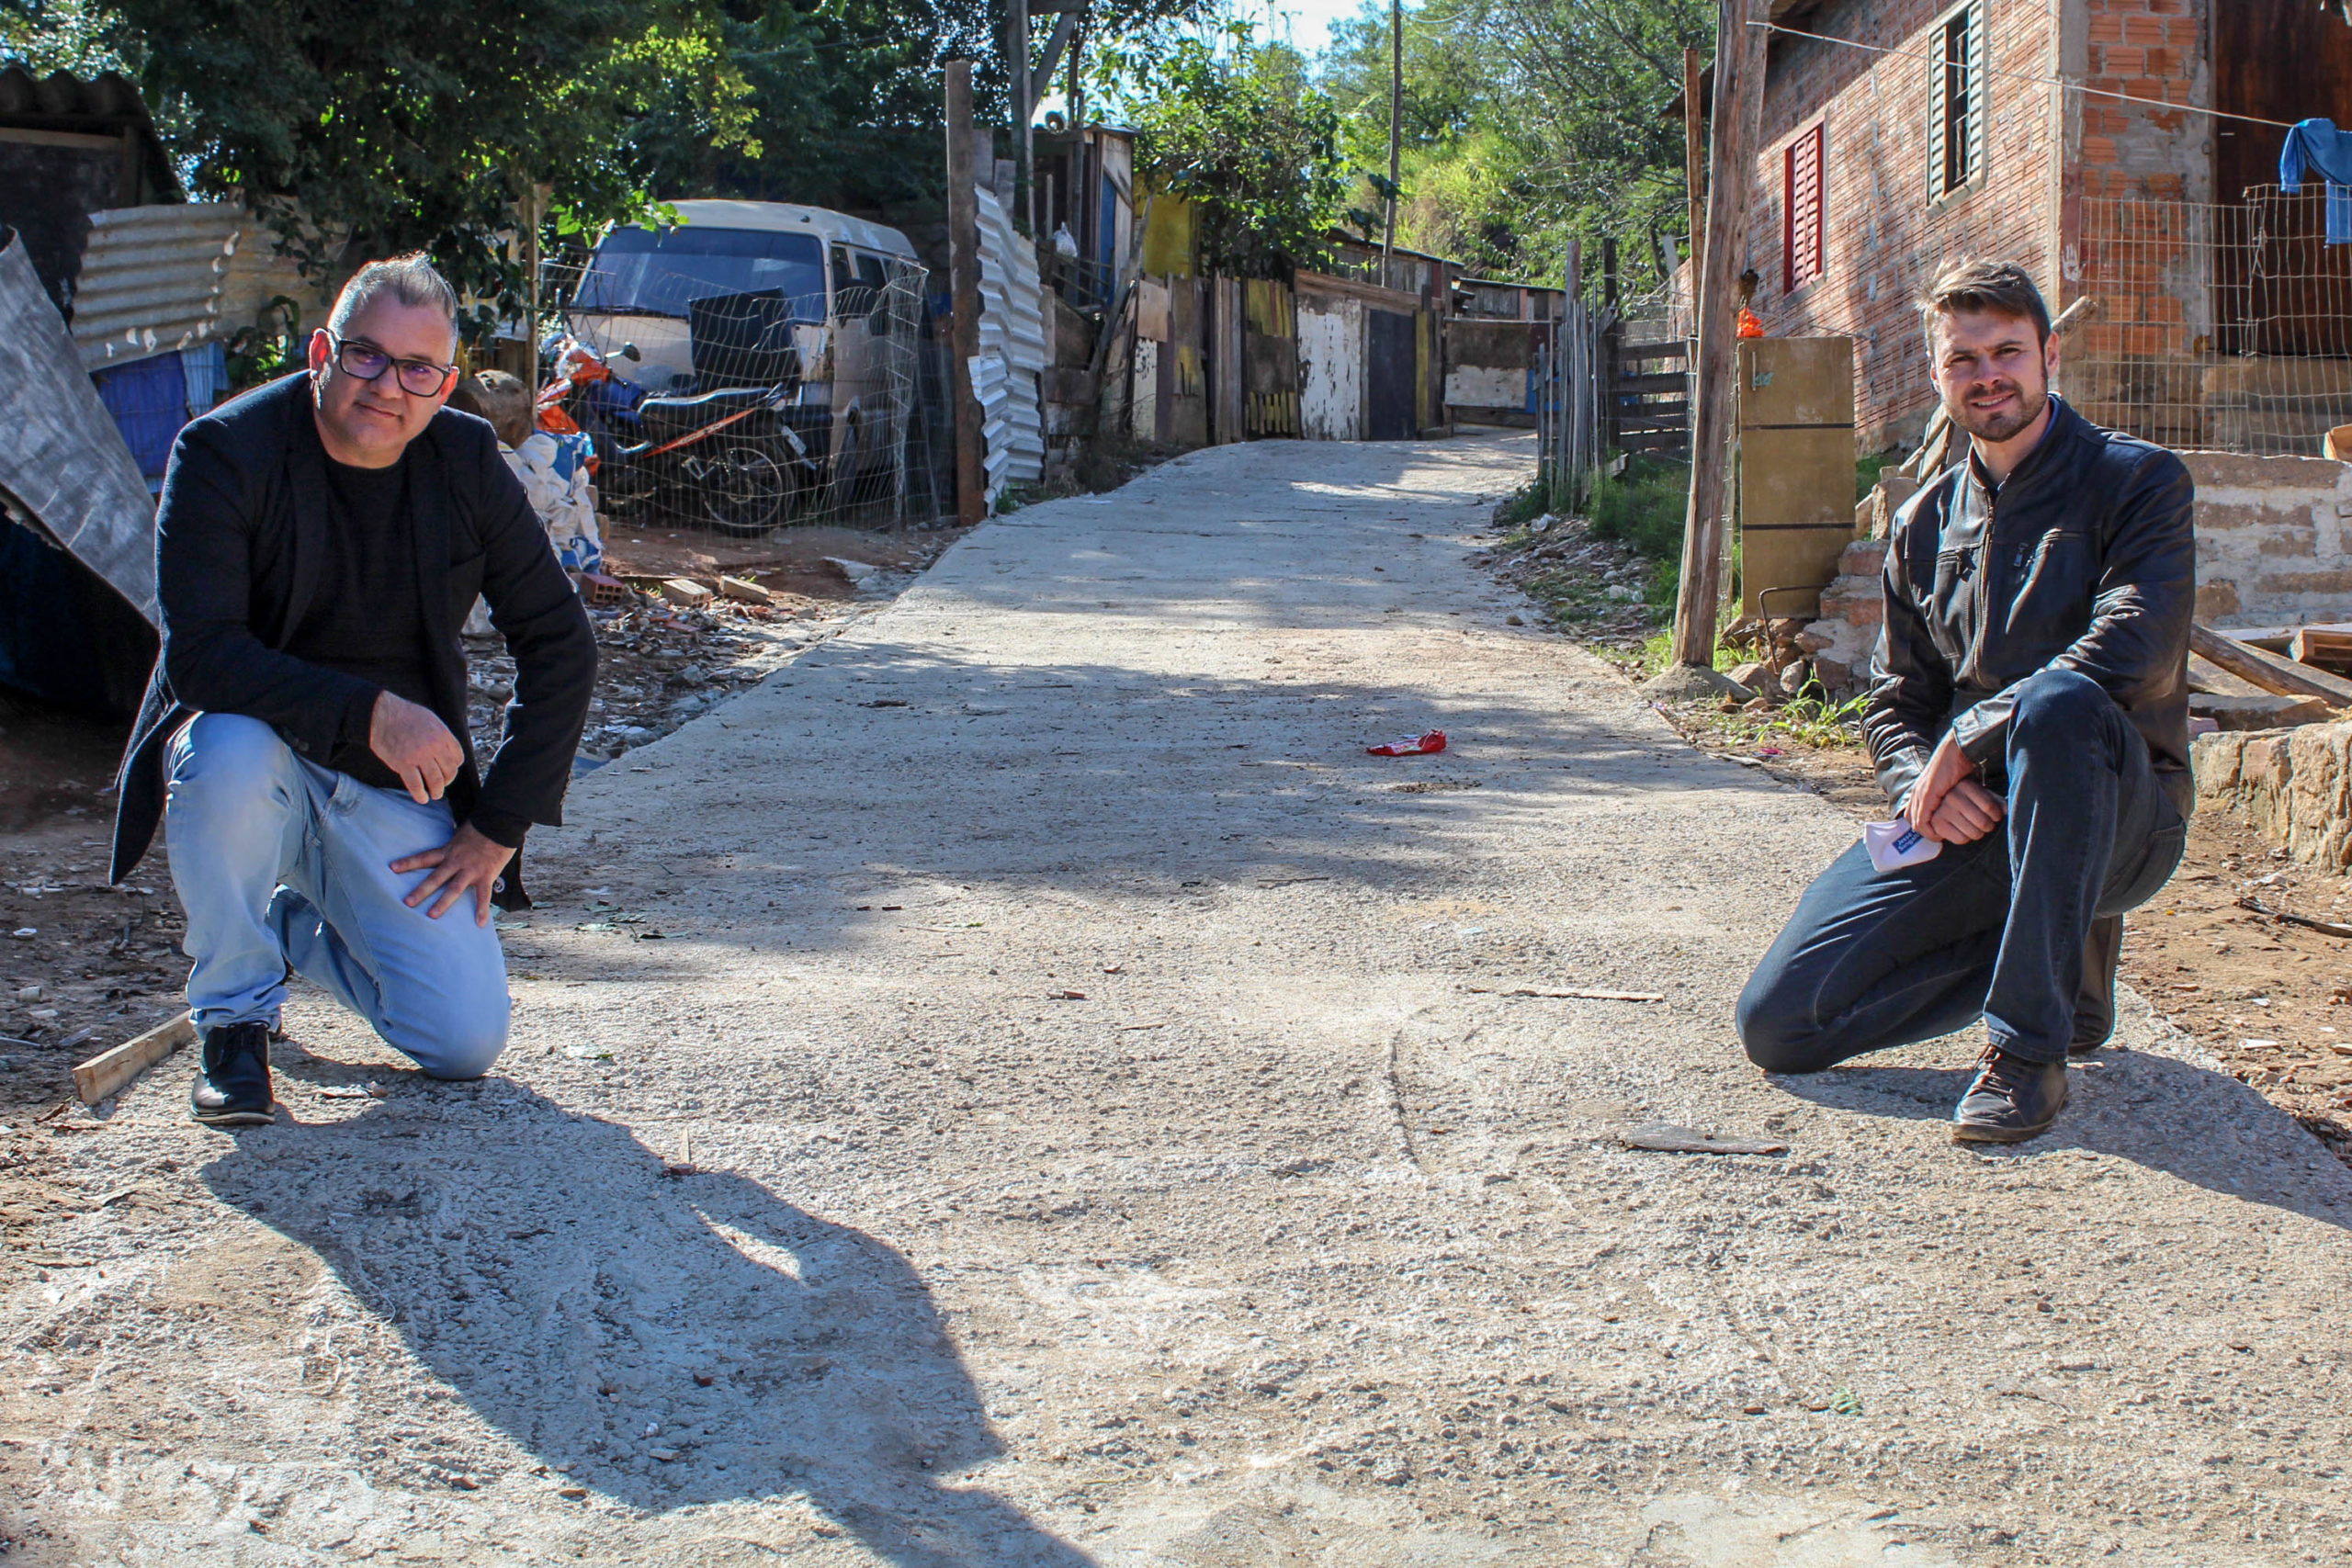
column 1802, row 218
column 1979, row 85
column 1958, row 101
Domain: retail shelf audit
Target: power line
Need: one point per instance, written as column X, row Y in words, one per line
column 2059, row 82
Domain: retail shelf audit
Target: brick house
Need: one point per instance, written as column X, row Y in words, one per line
column 1905, row 133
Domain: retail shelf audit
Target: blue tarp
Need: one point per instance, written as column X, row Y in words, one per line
column 65, row 637
column 148, row 398
column 2317, row 145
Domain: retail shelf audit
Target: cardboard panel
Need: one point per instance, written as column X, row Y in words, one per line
column 1796, row 381
column 1796, row 514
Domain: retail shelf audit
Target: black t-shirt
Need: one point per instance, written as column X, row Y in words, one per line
column 367, row 617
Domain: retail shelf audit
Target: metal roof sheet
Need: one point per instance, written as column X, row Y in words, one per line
column 62, row 95
column 151, row 279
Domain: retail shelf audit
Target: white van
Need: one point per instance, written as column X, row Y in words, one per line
column 824, row 271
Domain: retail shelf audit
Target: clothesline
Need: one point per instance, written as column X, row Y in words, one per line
column 2028, row 76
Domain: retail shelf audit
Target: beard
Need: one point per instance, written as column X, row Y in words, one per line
column 2031, row 401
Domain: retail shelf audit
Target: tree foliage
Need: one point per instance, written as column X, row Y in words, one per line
column 1528, row 123
column 1238, row 130
column 369, row 126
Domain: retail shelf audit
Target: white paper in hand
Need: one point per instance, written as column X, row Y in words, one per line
column 1896, row 844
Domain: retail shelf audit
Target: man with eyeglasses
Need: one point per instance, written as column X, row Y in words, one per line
column 319, row 543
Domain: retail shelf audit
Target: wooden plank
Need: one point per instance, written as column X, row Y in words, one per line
column 110, row 1072
column 2331, row 651
column 2204, row 675
column 1676, row 348
column 1673, row 381
column 2268, row 670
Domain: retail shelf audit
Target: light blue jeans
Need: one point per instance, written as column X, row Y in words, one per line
column 280, row 862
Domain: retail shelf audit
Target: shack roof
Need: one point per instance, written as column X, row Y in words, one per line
column 108, row 106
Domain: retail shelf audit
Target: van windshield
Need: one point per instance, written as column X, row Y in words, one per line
column 656, row 272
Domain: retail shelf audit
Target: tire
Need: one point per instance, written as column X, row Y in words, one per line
column 841, row 491
column 745, row 492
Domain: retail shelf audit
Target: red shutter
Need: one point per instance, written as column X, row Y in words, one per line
column 1802, row 218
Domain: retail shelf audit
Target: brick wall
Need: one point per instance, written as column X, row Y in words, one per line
column 2051, row 155
column 2136, row 233
column 1884, row 237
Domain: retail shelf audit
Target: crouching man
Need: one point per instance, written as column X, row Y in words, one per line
column 304, row 735
column 2030, row 718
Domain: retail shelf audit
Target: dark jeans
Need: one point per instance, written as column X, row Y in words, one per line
column 1996, row 928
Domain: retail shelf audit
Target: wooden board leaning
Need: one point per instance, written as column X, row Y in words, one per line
column 110, row 1072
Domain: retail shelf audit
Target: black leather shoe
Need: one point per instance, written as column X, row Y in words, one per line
column 232, row 1082
column 2095, row 1003
column 2011, row 1101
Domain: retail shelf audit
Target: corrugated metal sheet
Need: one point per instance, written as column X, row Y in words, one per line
column 63, row 466
column 1013, row 351
column 62, row 96
column 152, row 279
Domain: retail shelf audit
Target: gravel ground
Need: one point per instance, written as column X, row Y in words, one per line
column 1021, row 1087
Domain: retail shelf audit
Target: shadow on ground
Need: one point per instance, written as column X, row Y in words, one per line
column 668, row 1341
column 2203, row 1127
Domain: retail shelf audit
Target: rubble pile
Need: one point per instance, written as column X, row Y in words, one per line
column 1592, row 586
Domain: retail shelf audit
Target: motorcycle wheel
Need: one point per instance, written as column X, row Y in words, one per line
column 745, row 492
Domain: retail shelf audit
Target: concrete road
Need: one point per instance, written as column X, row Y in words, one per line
column 1023, row 1088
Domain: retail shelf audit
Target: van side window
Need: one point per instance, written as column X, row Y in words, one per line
column 853, row 299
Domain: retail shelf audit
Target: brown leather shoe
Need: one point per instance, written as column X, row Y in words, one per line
column 2011, row 1099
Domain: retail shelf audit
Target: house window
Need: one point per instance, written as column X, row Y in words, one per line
column 1800, row 211
column 1957, row 101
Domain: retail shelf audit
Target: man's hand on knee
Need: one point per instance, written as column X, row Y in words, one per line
column 469, row 862
column 1947, row 802
column 415, row 744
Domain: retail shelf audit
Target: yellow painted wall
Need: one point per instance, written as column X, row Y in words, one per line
column 1168, row 238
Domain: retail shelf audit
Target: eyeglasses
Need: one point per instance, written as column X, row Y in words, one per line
column 365, row 362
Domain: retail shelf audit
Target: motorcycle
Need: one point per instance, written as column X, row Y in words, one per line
column 729, row 460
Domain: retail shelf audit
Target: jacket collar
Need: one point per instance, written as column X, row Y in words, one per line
column 2063, row 421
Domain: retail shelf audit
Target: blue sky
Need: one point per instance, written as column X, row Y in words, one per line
column 1304, row 24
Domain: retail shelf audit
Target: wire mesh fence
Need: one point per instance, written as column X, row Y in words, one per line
column 2220, row 325
column 741, row 409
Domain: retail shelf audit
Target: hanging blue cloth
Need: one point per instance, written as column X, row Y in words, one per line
column 2317, row 145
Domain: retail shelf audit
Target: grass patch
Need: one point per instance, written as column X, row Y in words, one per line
column 1524, row 505
column 1867, row 471
column 1643, row 509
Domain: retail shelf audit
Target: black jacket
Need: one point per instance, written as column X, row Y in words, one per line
column 2086, row 559
column 239, row 539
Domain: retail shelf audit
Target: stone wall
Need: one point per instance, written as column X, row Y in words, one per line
column 2272, row 537
column 2293, row 785
column 1852, row 607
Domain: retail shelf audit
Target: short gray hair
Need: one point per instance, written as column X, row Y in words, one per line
column 410, row 279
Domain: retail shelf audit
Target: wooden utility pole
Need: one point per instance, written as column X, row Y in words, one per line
column 1694, row 157
column 1738, row 108
column 964, row 282
column 1396, row 114
column 1024, row 109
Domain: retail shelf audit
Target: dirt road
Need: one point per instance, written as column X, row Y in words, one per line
column 1022, row 1086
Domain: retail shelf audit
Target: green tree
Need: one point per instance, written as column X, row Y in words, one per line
column 1528, row 123
column 1238, row 128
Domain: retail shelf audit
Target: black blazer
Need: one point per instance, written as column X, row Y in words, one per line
column 239, row 540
